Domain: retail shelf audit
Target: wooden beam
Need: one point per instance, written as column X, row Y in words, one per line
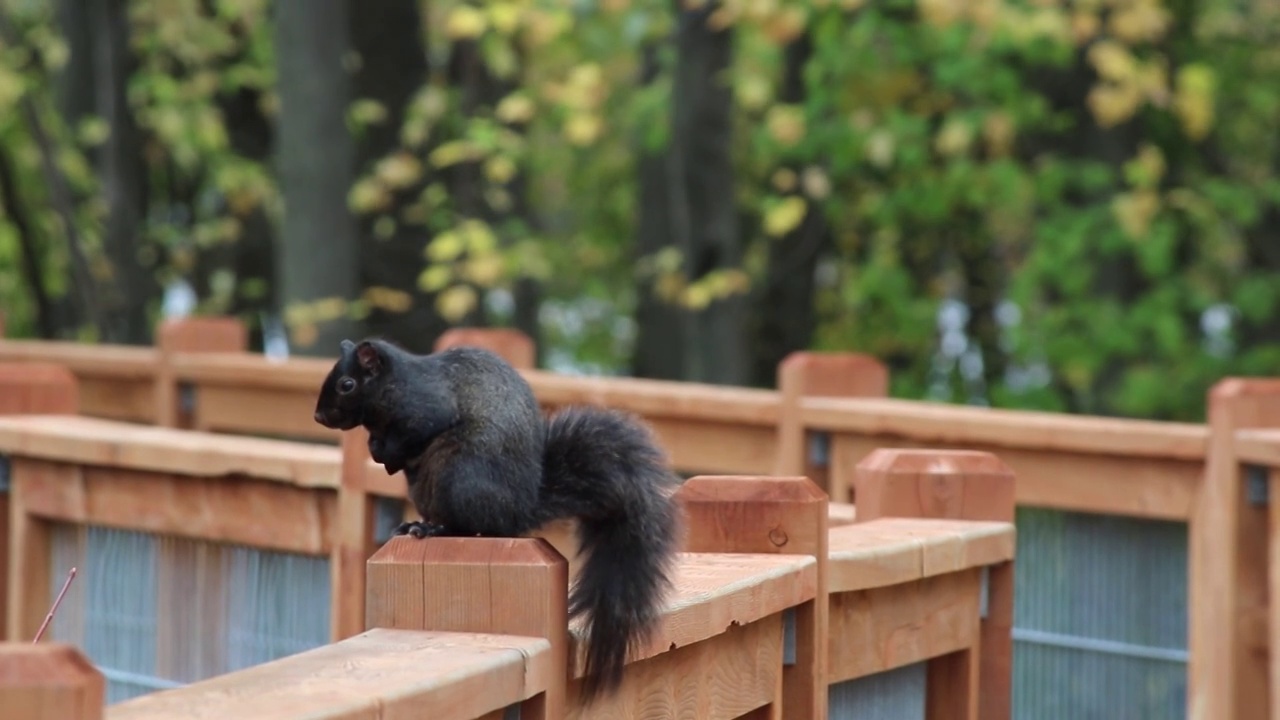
column 776, row 515
column 491, row 585
column 1227, row 673
column 355, row 541
column 191, row 335
column 957, row 485
column 49, row 681
column 813, row 374
column 25, row 389
column 378, row 674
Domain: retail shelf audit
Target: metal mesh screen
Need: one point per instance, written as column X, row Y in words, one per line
column 896, row 694
column 154, row 612
column 1100, row 617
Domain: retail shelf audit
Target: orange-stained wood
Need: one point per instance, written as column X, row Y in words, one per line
column 49, row 681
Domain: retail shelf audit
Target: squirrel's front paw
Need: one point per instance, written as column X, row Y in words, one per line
column 419, row 529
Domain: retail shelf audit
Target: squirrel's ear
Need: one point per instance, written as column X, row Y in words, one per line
column 347, row 347
column 369, row 357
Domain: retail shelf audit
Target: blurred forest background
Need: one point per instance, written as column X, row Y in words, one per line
column 1069, row 205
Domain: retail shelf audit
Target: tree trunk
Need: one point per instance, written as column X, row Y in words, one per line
column 315, row 157
column 695, row 178
column 783, row 312
column 122, row 176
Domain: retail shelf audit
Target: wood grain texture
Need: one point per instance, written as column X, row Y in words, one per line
column 814, row 374
column 774, row 515
column 729, row 675
column 1227, row 672
column 49, row 681
column 1135, row 486
column 378, row 675
column 891, row 551
column 1273, row 585
column 489, row 585
column 964, row 485
column 955, row 425
column 30, row 548
column 195, row 335
column 1259, row 447
column 232, row 508
column 883, row 628
column 107, row 443
column 25, row 389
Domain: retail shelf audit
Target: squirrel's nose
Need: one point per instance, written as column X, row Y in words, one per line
column 319, row 416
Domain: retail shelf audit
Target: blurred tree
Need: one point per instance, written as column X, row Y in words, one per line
column 319, row 260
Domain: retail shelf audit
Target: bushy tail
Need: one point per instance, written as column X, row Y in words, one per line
column 604, row 467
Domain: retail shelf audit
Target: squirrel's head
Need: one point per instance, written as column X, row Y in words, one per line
column 347, row 389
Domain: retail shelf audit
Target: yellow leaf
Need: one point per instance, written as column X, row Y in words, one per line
column 499, row 169
column 1134, row 212
column 785, row 216
column 998, row 131
column 696, row 296
column 954, row 138
column 456, row 302
column 368, row 195
column 477, row 235
column 330, row 308
column 1193, row 101
column 304, row 335
column 399, row 171
column 1146, row 168
column 1113, row 104
column 484, row 270
column 816, row 183
column 434, row 278
column 445, row 246
column 786, row 124
column 583, row 128
column 389, row 299
column 465, row 23
column 1139, row 21
column 880, row 148
column 505, row 17
column 752, row 90
column 514, row 108
column 786, row 25
column 1084, row 26
column 453, row 152
column 1112, row 60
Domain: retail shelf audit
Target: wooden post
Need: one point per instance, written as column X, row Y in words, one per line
column 956, row 485
column 808, row 374
column 516, row 586
column 510, row 344
column 26, row 388
column 49, row 681
column 783, row 515
column 1227, row 671
column 355, row 542
column 190, row 335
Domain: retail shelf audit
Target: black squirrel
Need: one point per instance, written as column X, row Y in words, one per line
column 481, row 459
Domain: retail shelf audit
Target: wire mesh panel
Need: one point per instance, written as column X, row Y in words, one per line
column 1100, row 617
column 154, row 612
column 897, row 694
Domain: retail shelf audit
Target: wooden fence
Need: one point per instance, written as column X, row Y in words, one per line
column 773, row 615
column 824, row 419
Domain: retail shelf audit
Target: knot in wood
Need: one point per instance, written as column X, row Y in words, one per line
column 778, row 536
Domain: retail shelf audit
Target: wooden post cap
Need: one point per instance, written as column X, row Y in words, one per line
column 44, row 388
column 832, row 374
column 950, row 484
column 49, row 681
column 202, row 334
column 766, row 514
column 508, row 343
column 504, row 586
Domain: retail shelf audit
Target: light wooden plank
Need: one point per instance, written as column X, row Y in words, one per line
column 714, row 591
column 879, row 629
column 378, row 674
column 890, row 551
column 93, row 441
column 96, row 360
column 967, row 427
column 658, row 398
column 1273, row 583
column 224, row 509
column 252, row 370
column 116, row 398
column 30, row 545
column 722, row 677
column 1076, row 481
column 1259, row 447
column 49, row 681
column 269, row 411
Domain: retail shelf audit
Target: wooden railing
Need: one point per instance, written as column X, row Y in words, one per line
column 1158, row 470
column 770, row 610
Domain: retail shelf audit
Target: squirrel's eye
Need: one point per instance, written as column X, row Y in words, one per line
column 346, row 385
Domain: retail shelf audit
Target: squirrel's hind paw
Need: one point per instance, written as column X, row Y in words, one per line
column 419, row 529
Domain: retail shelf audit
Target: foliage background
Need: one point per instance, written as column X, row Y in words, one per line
column 1064, row 205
